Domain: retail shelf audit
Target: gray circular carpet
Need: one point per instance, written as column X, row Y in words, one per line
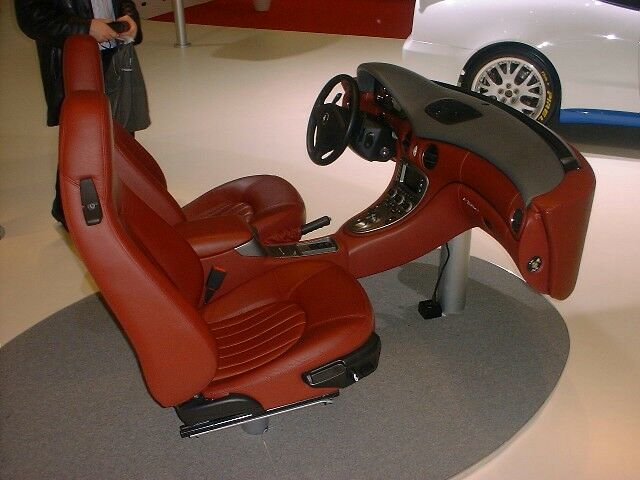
column 447, row 393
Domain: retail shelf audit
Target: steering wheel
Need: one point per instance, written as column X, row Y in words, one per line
column 331, row 125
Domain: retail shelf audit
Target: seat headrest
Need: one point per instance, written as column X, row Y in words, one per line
column 82, row 65
column 86, row 139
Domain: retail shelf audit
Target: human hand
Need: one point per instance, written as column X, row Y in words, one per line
column 133, row 28
column 101, row 31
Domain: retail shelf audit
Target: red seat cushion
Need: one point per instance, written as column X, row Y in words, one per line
column 254, row 338
column 281, row 324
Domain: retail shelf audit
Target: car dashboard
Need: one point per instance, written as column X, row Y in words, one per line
column 464, row 162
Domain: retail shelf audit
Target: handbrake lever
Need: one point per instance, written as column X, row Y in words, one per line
column 315, row 225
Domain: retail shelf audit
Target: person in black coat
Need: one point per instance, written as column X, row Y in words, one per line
column 49, row 23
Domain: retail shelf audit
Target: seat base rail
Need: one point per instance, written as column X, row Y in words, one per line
column 208, row 426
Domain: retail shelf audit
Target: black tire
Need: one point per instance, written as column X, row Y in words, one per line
column 525, row 72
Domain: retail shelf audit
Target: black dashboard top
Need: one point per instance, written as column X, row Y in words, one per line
column 532, row 156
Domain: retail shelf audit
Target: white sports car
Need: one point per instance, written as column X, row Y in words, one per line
column 576, row 61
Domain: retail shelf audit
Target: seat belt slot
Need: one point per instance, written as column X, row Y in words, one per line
column 214, row 280
column 91, row 208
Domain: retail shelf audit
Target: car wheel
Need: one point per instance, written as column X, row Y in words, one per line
column 523, row 80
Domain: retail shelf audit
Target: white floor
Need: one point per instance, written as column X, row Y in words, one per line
column 236, row 102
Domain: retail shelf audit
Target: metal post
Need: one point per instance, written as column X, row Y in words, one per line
column 256, row 427
column 452, row 293
column 181, row 30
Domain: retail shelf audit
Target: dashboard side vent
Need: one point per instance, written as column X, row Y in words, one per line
column 430, row 156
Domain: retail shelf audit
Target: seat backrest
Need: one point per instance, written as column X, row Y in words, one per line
column 149, row 275
column 139, row 169
column 82, row 71
column 82, row 65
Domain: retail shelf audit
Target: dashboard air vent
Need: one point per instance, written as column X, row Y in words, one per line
column 430, row 156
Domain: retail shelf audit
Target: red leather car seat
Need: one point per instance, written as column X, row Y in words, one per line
column 270, row 204
column 261, row 341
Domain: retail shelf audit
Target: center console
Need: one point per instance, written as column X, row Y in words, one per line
column 316, row 246
column 307, row 248
column 400, row 199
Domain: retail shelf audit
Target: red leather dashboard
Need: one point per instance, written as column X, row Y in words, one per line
column 466, row 191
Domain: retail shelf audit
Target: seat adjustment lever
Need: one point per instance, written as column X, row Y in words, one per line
column 91, row 208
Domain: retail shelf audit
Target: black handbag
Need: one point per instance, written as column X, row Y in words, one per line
column 124, row 85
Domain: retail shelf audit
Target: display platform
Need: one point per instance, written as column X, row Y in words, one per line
column 447, row 393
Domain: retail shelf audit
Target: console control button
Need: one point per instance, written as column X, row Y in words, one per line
column 396, row 203
column 361, row 224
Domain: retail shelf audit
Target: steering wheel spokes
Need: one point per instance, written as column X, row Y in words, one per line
column 330, row 124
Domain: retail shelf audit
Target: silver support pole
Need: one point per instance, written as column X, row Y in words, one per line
column 452, row 292
column 256, row 427
column 181, row 30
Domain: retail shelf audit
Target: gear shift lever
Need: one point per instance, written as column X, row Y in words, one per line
column 315, row 225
